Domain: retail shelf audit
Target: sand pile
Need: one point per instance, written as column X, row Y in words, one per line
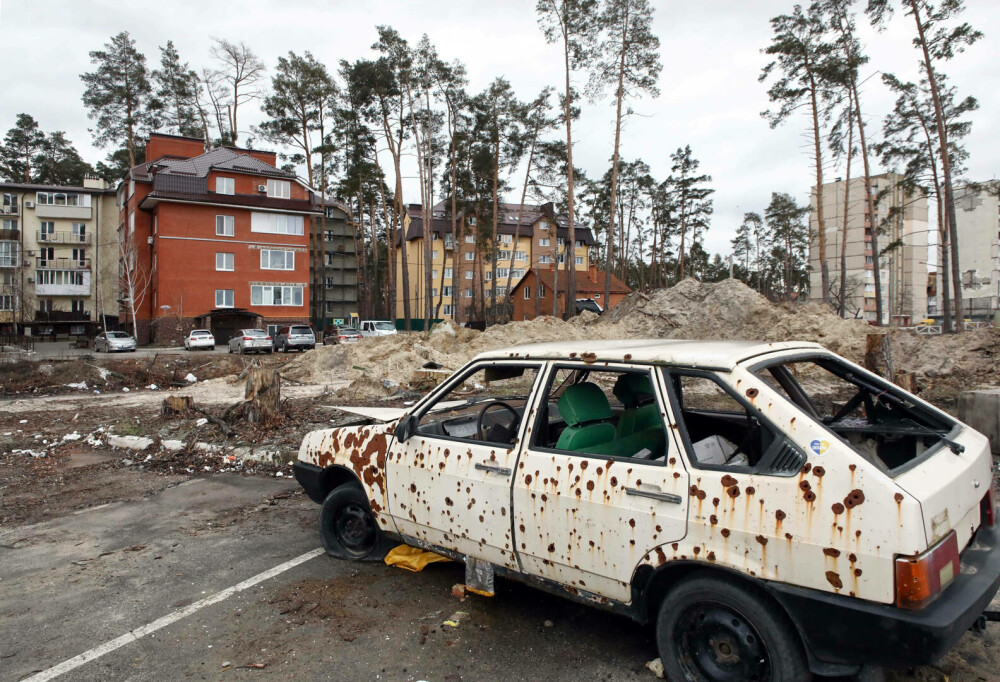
column 728, row 310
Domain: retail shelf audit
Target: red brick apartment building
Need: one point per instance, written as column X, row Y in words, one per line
column 216, row 240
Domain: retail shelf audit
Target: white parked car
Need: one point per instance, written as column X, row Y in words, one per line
column 773, row 509
column 110, row 342
column 251, row 341
column 199, row 338
column 377, row 328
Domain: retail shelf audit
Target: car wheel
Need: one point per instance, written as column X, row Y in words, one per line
column 712, row 628
column 347, row 526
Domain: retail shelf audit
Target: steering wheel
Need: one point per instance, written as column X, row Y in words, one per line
column 509, row 428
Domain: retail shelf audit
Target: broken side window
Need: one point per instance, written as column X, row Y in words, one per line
column 485, row 405
column 879, row 420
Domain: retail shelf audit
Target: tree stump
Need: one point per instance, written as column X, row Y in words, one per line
column 878, row 353
column 262, row 398
column 176, row 404
column 907, row 381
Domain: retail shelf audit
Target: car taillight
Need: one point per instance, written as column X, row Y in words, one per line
column 342, row 336
column 987, row 507
column 267, row 338
column 921, row 578
column 248, row 338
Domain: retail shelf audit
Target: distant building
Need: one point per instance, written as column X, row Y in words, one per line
column 222, row 237
column 977, row 218
column 466, row 293
column 535, row 291
column 903, row 269
column 334, row 280
column 58, row 258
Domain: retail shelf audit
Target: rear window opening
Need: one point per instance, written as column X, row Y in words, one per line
column 879, row 420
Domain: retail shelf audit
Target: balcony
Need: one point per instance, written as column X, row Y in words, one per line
column 10, row 235
column 62, row 316
column 63, row 263
column 61, row 211
column 63, row 238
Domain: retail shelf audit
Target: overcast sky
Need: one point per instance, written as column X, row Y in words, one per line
column 710, row 97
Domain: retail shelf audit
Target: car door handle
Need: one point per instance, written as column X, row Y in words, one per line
column 503, row 471
column 662, row 497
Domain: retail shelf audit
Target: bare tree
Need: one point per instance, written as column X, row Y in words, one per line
column 232, row 83
column 134, row 274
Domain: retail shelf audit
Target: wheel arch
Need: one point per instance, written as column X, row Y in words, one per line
column 335, row 476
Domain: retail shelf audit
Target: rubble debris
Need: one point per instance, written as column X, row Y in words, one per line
column 139, row 443
column 412, row 559
column 656, row 667
column 456, row 618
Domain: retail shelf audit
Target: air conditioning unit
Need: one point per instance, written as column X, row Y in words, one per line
column 29, row 204
column 262, row 189
column 31, row 280
column 31, row 253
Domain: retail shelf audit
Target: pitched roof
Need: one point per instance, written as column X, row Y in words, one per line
column 583, row 283
column 34, row 187
column 200, row 166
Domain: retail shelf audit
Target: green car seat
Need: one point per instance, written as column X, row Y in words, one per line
column 586, row 410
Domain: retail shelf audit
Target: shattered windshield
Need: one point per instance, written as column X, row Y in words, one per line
column 882, row 422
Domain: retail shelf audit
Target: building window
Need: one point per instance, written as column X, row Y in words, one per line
column 279, row 189
column 76, row 306
column 435, row 254
column 7, row 302
column 468, row 274
column 79, row 232
column 578, row 260
column 470, row 256
column 80, row 257
column 541, row 291
column 277, row 223
column 225, row 225
column 447, row 309
column 225, row 186
column 266, row 294
column 329, row 259
column 472, row 221
column 471, row 238
column 48, row 231
column 446, row 291
column 277, row 260
column 328, row 235
column 225, row 262
column 501, row 291
column 329, row 282
column 544, row 241
column 223, row 298
column 503, row 272
column 579, row 244
column 488, row 275
column 520, row 255
column 562, row 258
column 45, row 305
column 503, row 255
column 8, row 254
column 467, row 293
column 545, row 259
column 869, row 260
column 527, row 293
column 505, row 239
column 448, row 273
column 560, row 241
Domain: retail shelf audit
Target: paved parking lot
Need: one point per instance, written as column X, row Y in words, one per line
column 149, row 590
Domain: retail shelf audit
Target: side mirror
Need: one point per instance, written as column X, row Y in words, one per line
column 405, row 428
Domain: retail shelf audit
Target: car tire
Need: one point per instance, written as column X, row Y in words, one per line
column 711, row 627
column 348, row 528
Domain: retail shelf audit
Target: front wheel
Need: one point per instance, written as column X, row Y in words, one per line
column 713, row 629
column 347, row 526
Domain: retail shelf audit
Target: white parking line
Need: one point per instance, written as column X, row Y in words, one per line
column 160, row 623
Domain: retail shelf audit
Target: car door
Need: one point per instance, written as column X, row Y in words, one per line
column 590, row 508
column 450, row 480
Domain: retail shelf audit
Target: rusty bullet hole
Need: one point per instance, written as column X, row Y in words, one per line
column 674, row 546
column 658, row 529
column 413, row 487
column 552, row 547
column 788, row 536
column 627, row 357
column 834, row 579
column 819, row 471
column 854, row 498
column 614, row 480
column 837, row 508
column 677, row 475
column 733, row 492
column 806, row 468
column 590, row 485
column 898, row 497
column 522, row 527
column 831, row 552
column 751, row 393
column 578, row 493
column 725, row 532
column 751, row 490
column 694, row 491
column 809, row 496
column 852, row 557
column 857, row 572
column 853, row 467
column 697, row 551
column 448, row 501
column 762, row 540
column 728, row 480
column 588, row 358
column 599, row 471
column 805, row 485
column 857, row 533
column 713, row 519
column 702, row 495
column 780, row 515
column 715, row 501
column 527, row 479
column 572, row 355
column 545, row 498
column 711, row 556
column 631, row 522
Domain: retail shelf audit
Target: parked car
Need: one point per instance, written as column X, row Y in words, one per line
column 295, row 337
column 773, row 509
column 335, row 334
column 377, row 328
column 199, row 338
column 110, row 342
column 251, row 341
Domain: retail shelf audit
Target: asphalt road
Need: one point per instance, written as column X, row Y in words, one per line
column 78, row 584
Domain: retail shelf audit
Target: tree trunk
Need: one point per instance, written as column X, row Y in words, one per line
column 870, row 202
column 614, row 170
column 176, row 404
column 843, row 234
column 263, row 395
column 945, row 153
column 571, row 231
column 824, row 267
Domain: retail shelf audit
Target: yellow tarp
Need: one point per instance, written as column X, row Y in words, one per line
column 412, row 558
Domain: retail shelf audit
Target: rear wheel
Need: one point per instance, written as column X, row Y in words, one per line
column 347, row 526
column 713, row 629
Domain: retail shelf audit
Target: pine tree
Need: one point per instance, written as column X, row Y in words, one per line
column 60, row 163
column 176, row 102
column 571, row 23
column 690, row 195
column 791, row 237
column 118, row 95
column 21, row 151
column 628, row 58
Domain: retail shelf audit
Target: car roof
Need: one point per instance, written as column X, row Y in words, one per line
column 723, row 355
